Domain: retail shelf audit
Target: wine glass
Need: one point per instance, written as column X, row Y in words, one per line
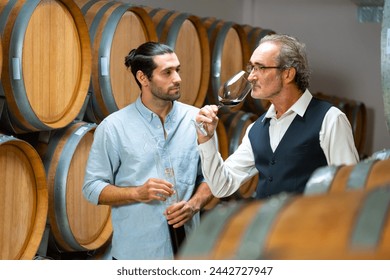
column 177, row 235
column 169, row 175
column 165, row 171
column 231, row 93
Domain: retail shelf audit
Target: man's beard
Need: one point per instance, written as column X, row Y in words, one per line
column 158, row 92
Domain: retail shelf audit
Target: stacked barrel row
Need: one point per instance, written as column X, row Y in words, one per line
column 45, row 77
column 343, row 214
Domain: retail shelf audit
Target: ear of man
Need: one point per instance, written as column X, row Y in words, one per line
column 142, row 78
column 289, row 74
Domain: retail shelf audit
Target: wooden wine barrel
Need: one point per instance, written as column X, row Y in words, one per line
column 366, row 174
column 236, row 124
column 46, row 63
column 23, row 199
column 356, row 113
column 229, row 54
column 254, row 34
column 334, row 226
column 75, row 224
column 115, row 28
column 186, row 34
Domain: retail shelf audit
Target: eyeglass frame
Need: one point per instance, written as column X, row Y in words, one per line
column 249, row 67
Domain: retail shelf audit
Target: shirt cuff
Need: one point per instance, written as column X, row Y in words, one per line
column 208, row 149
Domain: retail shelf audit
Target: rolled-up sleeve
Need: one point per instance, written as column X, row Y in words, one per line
column 101, row 164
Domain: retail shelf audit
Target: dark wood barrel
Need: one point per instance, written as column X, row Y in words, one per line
column 75, row 224
column 46, row 63
column 254, row 34
column 115, row 28
column 186, row 34
column 23, row 199
column 364, row 175
column 334, row 226
column 229, row 54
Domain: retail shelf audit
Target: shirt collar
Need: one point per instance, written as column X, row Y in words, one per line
column 299, row 107
column 148, row 115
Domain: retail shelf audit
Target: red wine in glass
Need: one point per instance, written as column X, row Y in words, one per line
column 231, row 93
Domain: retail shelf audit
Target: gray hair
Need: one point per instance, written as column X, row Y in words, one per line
column 292, row 54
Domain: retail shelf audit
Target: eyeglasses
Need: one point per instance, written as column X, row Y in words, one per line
column 257, row 68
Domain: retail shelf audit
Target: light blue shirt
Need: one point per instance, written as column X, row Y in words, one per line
column 124, row 154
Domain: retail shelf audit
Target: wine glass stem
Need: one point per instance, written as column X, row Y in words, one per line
column 200, row 126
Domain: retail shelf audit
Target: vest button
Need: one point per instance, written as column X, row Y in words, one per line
column 272, row 161
column 270, row 178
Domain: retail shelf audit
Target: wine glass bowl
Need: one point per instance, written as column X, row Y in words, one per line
column 231, row 93
column 234, row 90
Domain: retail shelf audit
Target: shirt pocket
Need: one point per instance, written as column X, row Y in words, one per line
column 187, row 167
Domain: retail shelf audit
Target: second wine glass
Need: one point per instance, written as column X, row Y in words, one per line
column 169, row 175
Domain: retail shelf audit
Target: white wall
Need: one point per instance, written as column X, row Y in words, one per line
column 344, row 54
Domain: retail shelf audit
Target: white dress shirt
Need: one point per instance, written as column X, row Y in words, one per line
column 336, row 140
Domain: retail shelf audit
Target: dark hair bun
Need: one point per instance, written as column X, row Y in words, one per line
column 129, row 58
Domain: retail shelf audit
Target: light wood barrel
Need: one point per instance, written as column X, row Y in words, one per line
column 229, row 54
column 23, row 199
column 115, row 28
column 46, row 63
column 76, row 224
column 334, row 226
column 364, row 175
column 186, row 34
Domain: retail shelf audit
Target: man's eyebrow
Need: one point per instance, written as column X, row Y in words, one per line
column 171, row 68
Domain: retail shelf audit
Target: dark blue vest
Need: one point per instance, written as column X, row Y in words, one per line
column 297, row 155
